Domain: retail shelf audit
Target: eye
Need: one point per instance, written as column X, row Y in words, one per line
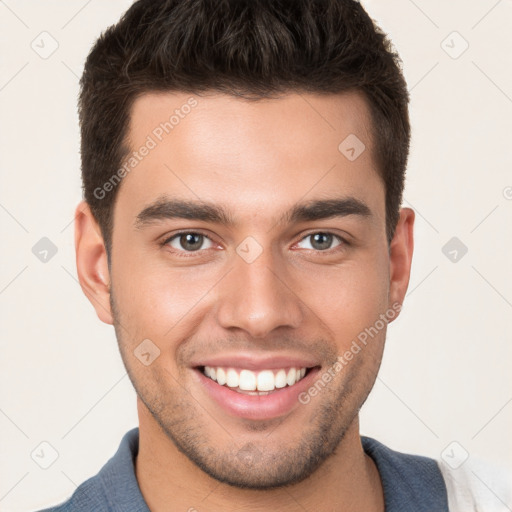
column 322, row 241
column 188, row 241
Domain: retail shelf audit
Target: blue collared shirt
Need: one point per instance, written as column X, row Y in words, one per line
column 410, row 482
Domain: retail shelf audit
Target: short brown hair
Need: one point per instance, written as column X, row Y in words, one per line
column 248, row 48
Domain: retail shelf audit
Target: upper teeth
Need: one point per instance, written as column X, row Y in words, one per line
column 247, row 380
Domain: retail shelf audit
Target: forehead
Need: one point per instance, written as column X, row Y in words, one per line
column 292, row 117
column 251, row 155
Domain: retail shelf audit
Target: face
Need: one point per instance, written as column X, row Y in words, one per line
column 249, row 253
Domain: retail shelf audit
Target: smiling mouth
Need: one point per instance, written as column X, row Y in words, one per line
column 250, row 382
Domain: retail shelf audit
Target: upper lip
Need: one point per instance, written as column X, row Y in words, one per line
column 257, row 362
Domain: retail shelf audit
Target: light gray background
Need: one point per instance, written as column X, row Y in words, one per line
column 446, row 372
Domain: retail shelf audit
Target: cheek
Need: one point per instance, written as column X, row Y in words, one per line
column 156, row 300
column 159, row 301
column 349, row 298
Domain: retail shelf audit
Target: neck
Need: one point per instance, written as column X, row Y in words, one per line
column 347, row 482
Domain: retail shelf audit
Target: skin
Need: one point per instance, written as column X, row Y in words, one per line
column 256, row 159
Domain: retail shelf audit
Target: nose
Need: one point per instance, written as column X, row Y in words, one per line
column 258, row 297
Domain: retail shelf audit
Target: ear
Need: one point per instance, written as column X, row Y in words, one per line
column 91, row 262
column 400, row 256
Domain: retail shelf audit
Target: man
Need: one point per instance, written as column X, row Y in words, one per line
column 243, row 165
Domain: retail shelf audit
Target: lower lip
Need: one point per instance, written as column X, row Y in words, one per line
column 257, row 407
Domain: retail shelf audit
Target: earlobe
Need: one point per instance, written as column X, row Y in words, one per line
column 91, row 262
column 400, row 257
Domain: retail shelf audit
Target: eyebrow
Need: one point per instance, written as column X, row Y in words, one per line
column 168, row 208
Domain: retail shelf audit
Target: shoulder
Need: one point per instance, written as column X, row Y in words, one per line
column 409, row 481
column 478, row 485
column 431, row 484
column 88, row 496
column 115, row 487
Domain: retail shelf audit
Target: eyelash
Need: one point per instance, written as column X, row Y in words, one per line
column 187, row 254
